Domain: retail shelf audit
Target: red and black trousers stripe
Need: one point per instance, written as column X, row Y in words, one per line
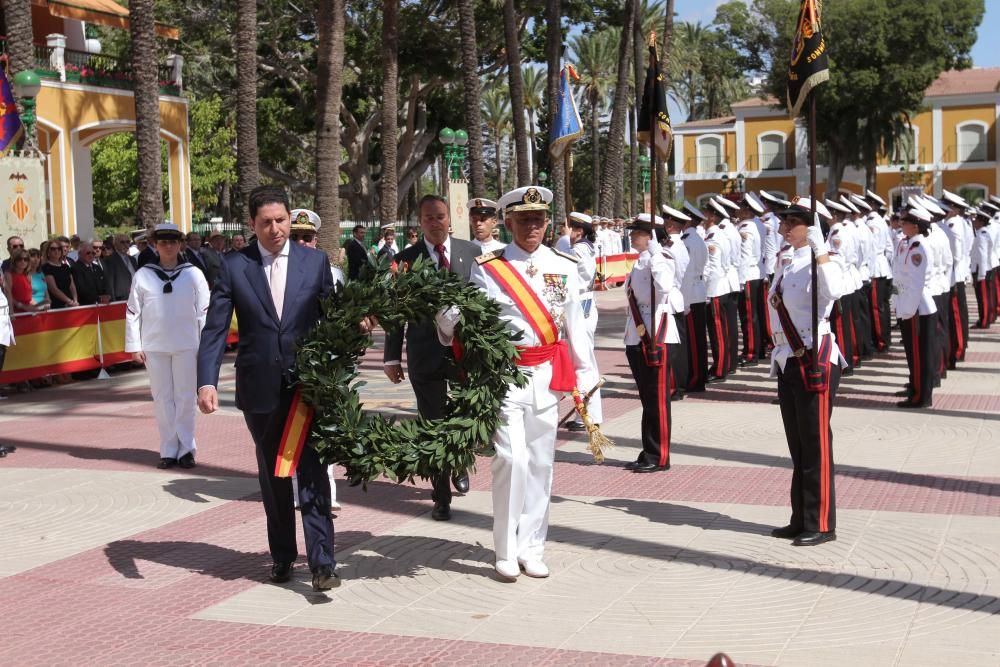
column 921, row 357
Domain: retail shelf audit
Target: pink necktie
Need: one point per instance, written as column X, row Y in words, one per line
column 278, row 283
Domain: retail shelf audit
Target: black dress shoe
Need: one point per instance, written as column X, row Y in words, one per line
column 786, row 532
column 631, row 465
column 186, row 461
column 576, row 427
column 677, row 396
column 10, row 448
column 650, row 467
column 847, row 372
column 166, row 462
column 714, row 379
column 324, row 578
column 461, row 482
column 812, row 538
column 902, row 393
column 909, row 405
column 281, row 572
column 441, row 512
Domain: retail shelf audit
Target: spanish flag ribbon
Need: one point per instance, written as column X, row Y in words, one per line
column 293, row 439
column 514, row 284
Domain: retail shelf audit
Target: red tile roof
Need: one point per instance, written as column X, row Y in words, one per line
column 706, row 122
column 966, row 82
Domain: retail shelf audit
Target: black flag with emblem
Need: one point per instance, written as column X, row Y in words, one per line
column 654, row 106
column 810, row 64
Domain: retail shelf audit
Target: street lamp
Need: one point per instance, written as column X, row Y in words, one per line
column 725, row 183
column 454, row 150
column 644, row 172
column 27, row 85
column 543, row 178
column 741, row 182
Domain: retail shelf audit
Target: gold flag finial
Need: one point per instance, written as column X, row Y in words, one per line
column 652, row 38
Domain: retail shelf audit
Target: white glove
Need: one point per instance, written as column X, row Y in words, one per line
column 445, row 320
column 814, row 236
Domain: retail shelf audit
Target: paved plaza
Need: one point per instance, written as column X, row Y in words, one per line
column 108, row 561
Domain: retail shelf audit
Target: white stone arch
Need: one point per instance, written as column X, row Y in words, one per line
column 56, row 138
column 964, row 152
column 702, row 160
column 782, row 153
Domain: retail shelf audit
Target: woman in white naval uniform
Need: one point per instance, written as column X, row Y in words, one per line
column 526, row 438
column 648, row 287
column 915, row 307
column 6, row 340
column 805, row 411
column 578, row 239
column 165, row 315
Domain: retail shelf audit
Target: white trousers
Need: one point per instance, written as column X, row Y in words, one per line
column 330, row 472
column 173, row 379
column 591, row 375
column 525, row 447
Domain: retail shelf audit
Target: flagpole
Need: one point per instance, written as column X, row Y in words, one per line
column 652, row 147
column 812, row 220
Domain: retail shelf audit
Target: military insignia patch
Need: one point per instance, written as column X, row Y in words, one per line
column 302, row 219
column 917, row 260
column 532, row 196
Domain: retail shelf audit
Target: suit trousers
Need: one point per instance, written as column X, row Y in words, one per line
column 525, row 445
column 806, row 418
column 717, row 336
column 864, row 322
column 939, row 334
column 851, row 327
column 432, row 399
column 732, row 306
column 749, row 321
column 173, row 379
column 697, row 347
column 314, row 491
column 963, row 315
column 653, row 384
column 917, row 334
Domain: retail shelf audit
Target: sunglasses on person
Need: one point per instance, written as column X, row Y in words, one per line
column 16, row 246
column 307, row 238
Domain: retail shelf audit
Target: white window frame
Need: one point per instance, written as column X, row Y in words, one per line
column 984, row 143
column 698, row 153
column 980, row 186
column 783, row 153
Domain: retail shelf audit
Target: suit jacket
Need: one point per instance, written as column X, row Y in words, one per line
column 357, row 256
column 426, row 357
column 194, row 258
column 213, row 263
column 265, row 358
column 117, row 276
column 90, row 282
column 148, row 256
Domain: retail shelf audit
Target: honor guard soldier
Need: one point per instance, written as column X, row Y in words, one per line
column 578, row 240
column 866, row 255
column 881, row 272
column 717, row 289
column 538, row 291
column 840, row 317
column 695, row 294
column 954, row 227
column 939, row 252
column 164, row 317
column 752, row 254
column 649, row 329
column 915, row 307
column 979, row 265
column 806, row 390
column 482, row 220
column 675, row 249
column 850, row 248
column 732, row 304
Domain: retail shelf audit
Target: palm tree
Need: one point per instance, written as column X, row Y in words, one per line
column 595, row 56
column 331, row 19
column 613, row 176
column 513, row 49
column 534, row 84
column 390, row 104
column 20, row 50
column 147, row 111
column 470, row 83
column 685, row 67
column 496, row 116
column 247, row 158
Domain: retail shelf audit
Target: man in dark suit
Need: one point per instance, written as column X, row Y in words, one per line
column 211, row 254
column 357, row 254
column 276, row 288
column 88, row 276
column 428, row 361
column 147, row 253
column 119, row 268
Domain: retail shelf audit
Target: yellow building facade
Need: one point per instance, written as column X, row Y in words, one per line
column 87, row 95
column 954, row 146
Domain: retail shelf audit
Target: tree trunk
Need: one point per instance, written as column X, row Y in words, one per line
column 20, row 46
column 553, row 55
column 516, row 83
column 595, row 145
column 147, row 112
column 390, row 107
column 247, row 157
column 835, row 173
column 329, row 86
column 470, row 82
column 614, row 162
column 531, row 150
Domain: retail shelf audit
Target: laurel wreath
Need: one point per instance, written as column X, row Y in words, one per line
column 371, row 445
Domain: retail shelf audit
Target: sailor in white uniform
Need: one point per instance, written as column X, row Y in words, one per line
column 482, row 221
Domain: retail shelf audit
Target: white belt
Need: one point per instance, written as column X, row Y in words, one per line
column 780, row 339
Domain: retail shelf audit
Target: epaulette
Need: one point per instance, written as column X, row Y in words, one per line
column 667, row 255
column 564, row 255
column 722, row 225
column 785, row 248
column 685, row 235
column 489, row 256
column 709, row 237
column 915, row 244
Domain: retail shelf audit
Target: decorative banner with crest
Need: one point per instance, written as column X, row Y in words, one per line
column 22, row 200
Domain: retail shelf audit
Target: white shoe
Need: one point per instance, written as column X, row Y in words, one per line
column 507, row 569
column 534, row 568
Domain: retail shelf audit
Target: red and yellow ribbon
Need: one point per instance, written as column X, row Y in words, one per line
column 293, row 439
column 525, row 298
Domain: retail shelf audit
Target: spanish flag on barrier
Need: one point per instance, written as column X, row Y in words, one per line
column 810, row 63
column 293, row 439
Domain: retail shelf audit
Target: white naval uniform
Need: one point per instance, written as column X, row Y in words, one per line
column 525, row 440
column 489, row 246
column 913, row 284
column 167, row 329
column 6, row 324
column 586, row 266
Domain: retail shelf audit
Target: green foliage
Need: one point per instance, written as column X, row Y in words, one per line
column 370, row 445
column 213, row 158
column 114, row 164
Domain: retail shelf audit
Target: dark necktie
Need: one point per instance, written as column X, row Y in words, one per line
column 443, row 262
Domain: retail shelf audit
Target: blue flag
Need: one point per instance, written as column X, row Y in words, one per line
column 10, row 120
column 567, row 127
